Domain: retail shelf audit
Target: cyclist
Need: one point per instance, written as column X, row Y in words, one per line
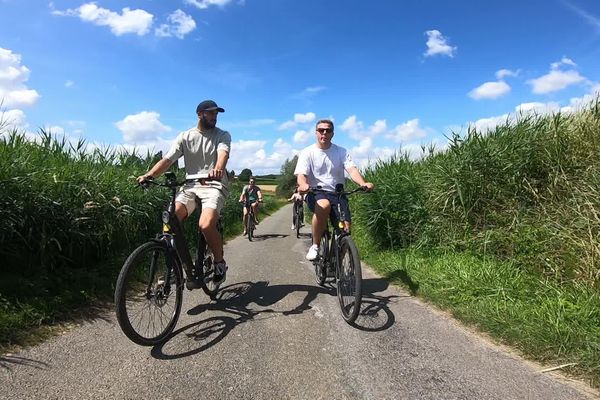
column 323, row 164
column 252, row 193
column 205, row 150
column 297, row 200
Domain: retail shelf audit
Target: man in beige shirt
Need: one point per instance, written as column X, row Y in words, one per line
column 205, row 150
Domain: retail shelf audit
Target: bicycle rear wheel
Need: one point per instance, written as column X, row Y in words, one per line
column 349, row 284
column 148, row 294
column 323, row 259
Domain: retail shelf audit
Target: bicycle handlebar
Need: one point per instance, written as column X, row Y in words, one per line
column 171, row 180
column 319, row 189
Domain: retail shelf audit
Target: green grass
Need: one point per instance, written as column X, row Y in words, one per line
column 548, row 322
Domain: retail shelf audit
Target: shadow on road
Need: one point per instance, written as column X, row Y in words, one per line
column 375, row 315
column 237, row 301
column 259, row 238
column 7, row 361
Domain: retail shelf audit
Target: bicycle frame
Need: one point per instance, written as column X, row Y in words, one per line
column 173, row 234
column 336, row 220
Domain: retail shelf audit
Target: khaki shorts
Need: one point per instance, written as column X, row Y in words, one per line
column 210, row 197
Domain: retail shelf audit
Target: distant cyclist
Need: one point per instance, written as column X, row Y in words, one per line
column 297, row 200
column 253, row 195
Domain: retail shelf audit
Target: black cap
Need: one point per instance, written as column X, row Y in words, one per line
column 208, row 105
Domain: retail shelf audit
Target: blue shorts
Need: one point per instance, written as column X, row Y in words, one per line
column 311, row 200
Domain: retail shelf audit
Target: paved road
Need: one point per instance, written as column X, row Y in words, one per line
column 274, row 334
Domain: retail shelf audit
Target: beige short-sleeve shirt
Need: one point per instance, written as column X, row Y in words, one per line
column 199, row 150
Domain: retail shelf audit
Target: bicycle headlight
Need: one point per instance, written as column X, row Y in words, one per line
column 165, row 217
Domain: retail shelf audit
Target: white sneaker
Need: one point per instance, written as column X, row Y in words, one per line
column 313, row 252
column 293, row 227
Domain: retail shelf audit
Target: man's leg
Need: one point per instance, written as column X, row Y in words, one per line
column 208, row 224
column 255, row 211
column 245, row 218
column 319, row 223
column 181, row 211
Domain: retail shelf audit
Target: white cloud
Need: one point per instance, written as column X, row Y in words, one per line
column 203, row 4
column 69, row 84
column 556, row 79
column 490, row 90
column 13, row 76
column 301, row 136
column 537, row 108
column 379, row 127
column 298, row 119
column 503, row 73
column 253, row 155
column 142, row 127
column 563, row 61
column 309, row 92
column 407, row 131
column 304, row 118
column 352, row 126
column 179, row 25
column 136, row 21
column 438, row 44
column 13, row 119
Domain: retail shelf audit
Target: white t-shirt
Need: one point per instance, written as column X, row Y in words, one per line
column 324, row 168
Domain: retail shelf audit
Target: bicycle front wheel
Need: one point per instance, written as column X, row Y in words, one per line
column 297, row 223
column 321, row 264
column 250, row 226
column 148, row 294
column 208, row 274
column 349, row 284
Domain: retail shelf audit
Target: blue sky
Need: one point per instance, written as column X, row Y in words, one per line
column 391, row 74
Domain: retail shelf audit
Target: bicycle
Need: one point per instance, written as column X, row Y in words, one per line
column 251, row 221
column 298, row 216
column 149, row 289
column 338, row 258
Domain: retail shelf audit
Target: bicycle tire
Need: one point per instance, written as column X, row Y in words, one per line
column 297, row 223
column 250, row 226
column 349, row 283
column 150, row 282
column 208, row 273
column 321, row 264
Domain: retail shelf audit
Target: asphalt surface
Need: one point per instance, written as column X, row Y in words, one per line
column 274, row 334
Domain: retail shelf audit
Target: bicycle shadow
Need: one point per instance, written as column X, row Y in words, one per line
column 236, row 300
column 375, row 314
column 6, row 361
column 260, row 238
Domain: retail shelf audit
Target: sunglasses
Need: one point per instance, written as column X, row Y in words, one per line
column 324, row 130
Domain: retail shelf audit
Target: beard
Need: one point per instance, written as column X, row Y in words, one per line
column 206, row 123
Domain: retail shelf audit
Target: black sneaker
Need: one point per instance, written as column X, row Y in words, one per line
column 220, row 272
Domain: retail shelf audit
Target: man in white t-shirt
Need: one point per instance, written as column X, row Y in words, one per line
column 323, row 164
column 205, row 151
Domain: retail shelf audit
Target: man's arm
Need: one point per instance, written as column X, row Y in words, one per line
column 302, row 181
column 356, row 176
column 157, row 170
column 219, row 170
